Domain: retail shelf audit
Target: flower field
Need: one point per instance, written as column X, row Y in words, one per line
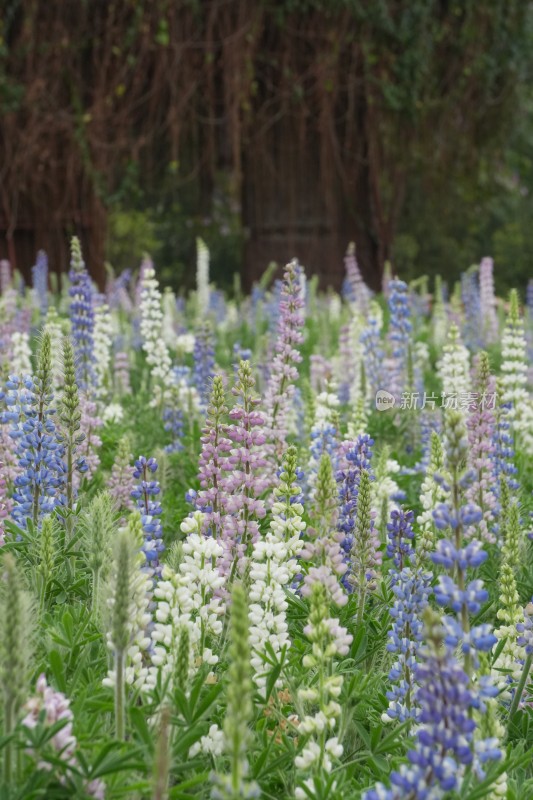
column 266, row 546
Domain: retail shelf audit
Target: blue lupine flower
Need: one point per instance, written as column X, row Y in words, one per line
column 445, row 734
column 150, row 510
column 504, row 454
column 373, row 355
column 447, row 555
column 359, row 458
column 204, row 363
column 173, row 424
column 40, row 281
column 37, row 486
column 525, row 629
column 447, row 593
column 411, row 588
column 470, row 295
column 399, row 335
column 82, row 317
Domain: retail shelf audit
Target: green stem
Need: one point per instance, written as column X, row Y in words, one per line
column 521, row 685
column 9, row 715
column 96, row 588
column 361, row 599
column 42, row 593
column 120, row 695
column 460, row 573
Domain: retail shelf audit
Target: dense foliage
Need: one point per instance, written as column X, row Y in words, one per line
column 272, row 547
column 267, row 119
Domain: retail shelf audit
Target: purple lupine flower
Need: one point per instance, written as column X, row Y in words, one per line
column 82, row 317
column 121, row 373
column 321, row 373
column 244, row 481
column 88, row 452
column 8, row 326
column 481, row 424
column 284, row 371
column 150, row 509
column 212, row 498
column 358, row 291
column 120, row 483
column 52, row 709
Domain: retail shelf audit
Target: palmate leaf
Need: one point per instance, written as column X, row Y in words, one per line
column 182, row 791
column 114, row 757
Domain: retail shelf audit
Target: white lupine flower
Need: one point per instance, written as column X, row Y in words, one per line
column 192, row 524
column 431, row 495
column 139, row 619
column 185, row 342
column 186, row 598
column 183, row 395
column 513, row 378
column 301, row 794
column 328, row 638
column 55, row 327
column 210, row 744
column 334, row 748
column 326, row 408
column 488, row 300
column 231, row 319
column 309, row 756
column 21, row 358
column 272, row 568
column 157, row 355
column 384, row 489
column 202, row 276
column 454, row 366
column 113, row 413
column 526, row 428
column 169, row 317
column 102, row 338
column 316, row 723
column 421, row 356
column 335, row 305
column 326, row 404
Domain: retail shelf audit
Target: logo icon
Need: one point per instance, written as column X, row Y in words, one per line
column 384, row 400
